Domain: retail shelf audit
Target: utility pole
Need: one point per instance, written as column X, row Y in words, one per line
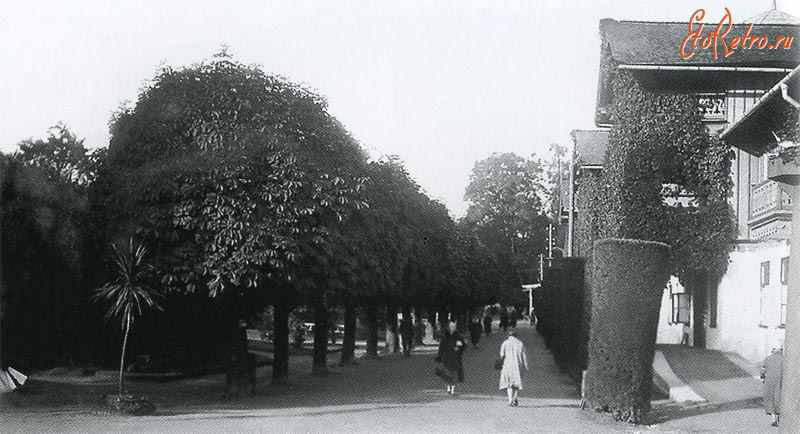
column 550, row 245
column 571, row 216
column 541, row 268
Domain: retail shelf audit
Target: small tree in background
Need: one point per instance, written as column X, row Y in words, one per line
column 128, row 293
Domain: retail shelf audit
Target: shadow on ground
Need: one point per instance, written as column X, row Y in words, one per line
column 670, row 411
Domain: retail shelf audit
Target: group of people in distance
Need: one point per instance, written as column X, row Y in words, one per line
column 512, row 362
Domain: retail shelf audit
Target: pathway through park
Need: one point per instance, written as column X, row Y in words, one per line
column 392, row 394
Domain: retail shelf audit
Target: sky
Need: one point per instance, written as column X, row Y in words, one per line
column 441, row 84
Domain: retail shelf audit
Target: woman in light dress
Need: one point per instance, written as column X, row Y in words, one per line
column 515, row 363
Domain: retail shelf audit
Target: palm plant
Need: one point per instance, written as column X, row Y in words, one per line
column 128, row 292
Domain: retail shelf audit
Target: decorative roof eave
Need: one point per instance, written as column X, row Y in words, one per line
column 699, row 79
column 753, row 131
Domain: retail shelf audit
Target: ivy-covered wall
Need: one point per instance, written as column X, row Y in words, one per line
column 659, row 139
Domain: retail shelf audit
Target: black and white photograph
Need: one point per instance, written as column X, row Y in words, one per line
column 410, row 216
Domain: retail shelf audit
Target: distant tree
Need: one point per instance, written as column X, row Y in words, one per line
column 44, row 238
column 62, row 156
column 507, row 211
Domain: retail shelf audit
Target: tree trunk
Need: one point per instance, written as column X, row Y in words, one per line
column 349, row 339
column 321, row 330
column 372, row 331
column 122, row 356
column 391, row 330
column 280, row 342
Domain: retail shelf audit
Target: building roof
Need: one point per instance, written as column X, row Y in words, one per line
column 590, row 148
column 650, row 51
column 658, row 43
column 774, row 16
column 753, row 132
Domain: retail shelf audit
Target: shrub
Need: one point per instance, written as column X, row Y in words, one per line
column 628, row 279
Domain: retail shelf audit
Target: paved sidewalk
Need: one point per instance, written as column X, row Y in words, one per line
column 712, row 374
column 392, row 394
column 727, row 385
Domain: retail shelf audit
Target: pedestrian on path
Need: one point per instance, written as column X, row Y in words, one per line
column 504, row 319
column 487, row 323
column 451, row 347
column 515, row 363
column 771, row 376
column 475, row 331
column 407, row 335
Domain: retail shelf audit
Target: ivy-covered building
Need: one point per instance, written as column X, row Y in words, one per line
column 730, row 286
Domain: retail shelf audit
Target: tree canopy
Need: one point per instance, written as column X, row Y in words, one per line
column 508, row 212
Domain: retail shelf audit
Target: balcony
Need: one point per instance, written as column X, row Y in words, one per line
column 770, row 211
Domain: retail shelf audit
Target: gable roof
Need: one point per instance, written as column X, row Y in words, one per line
column 650, row 52
column 590, row 147
column 656, row 43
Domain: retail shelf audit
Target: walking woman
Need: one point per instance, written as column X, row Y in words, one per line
column 451, row 347
column 515, row 363
column 771, row 376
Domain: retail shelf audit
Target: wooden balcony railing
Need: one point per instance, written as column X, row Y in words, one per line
column 768, row 197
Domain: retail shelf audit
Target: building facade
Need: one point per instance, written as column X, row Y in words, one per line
column 746, row 311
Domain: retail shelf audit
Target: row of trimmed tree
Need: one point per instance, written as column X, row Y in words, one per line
column 246, row 193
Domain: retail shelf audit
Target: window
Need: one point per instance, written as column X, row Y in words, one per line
column 681, row 309
column 763, row 298
column 681, row 303
column 785, row 271
column 784, row 288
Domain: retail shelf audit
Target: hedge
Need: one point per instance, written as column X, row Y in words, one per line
column 560, row 313
column 628, row 280
column 547, row 307
column 572, row 316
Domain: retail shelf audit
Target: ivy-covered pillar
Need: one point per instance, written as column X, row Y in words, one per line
column 629, row 278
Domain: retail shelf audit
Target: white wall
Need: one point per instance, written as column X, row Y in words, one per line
column 740, row 326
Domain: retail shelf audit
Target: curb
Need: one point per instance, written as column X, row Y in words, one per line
column 665, row 379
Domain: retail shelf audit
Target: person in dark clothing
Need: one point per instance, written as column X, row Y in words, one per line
column 475, row 332
column 487, row 324
column 419, row 332
column 513, row 318
column 451, row 348
column 241, row 367
column 407, row 335
column 504, row 320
